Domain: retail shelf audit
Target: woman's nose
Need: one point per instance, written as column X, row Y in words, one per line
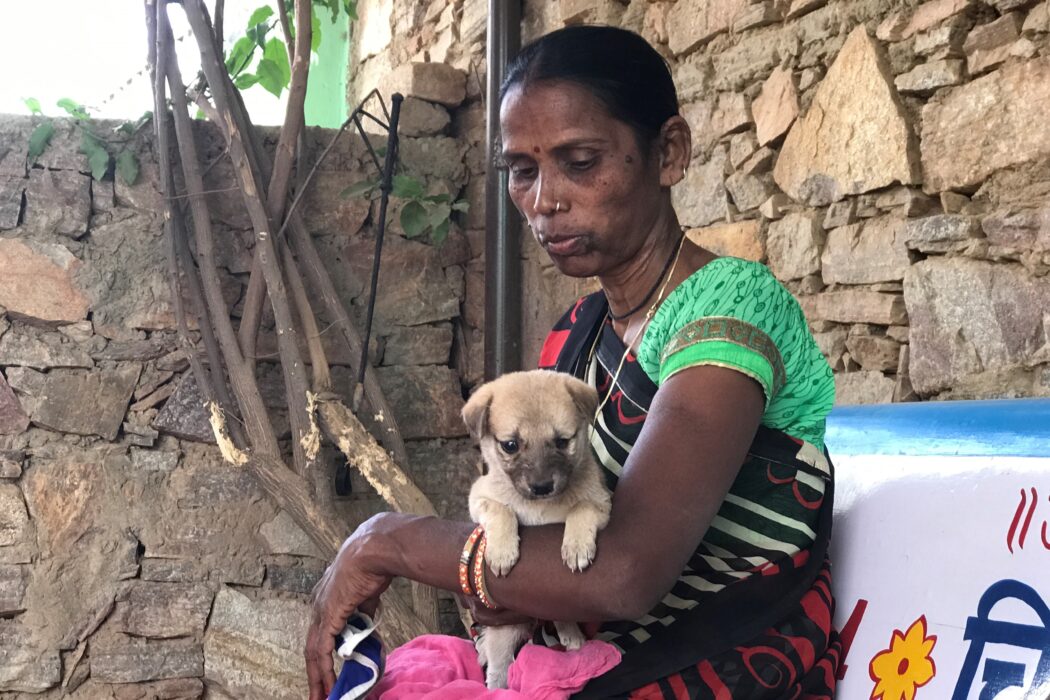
column 548, row 201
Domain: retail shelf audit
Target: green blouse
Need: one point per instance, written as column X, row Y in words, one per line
column 734, row 313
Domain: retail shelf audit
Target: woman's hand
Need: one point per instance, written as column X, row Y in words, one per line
column 354, row 579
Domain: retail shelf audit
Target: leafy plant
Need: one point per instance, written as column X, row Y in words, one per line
column 422, row 213
column 101, row 152
column 272, row 70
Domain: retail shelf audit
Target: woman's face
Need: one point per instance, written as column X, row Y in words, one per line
column 562, row 147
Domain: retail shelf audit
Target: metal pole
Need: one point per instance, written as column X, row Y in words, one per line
column 503, row 314
column 385, row 188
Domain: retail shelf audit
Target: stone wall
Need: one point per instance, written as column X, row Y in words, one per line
column 134, row 562
column 886, row 158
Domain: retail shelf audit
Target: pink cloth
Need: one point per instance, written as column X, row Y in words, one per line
column 437, row 667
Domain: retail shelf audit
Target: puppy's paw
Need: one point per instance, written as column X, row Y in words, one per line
column 495, row 679
column 501, row 553
column 570, row 635
column 578, row 552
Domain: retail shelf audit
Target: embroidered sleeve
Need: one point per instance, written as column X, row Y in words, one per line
column 732, row 313
column 725, row 342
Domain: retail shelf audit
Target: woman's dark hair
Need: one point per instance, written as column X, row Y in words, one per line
column 618, row 67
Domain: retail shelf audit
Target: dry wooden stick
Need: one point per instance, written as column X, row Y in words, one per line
column 284, row 157
column 269, row 469
column 220, row 7
column 321, row 374
column 320, row 282
column 158, row 60
column 292, row 365
column 253, row 410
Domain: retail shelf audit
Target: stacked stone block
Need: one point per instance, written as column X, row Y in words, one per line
column 134, row 562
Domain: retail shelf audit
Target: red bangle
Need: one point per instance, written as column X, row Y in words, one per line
column 479, row 575
column 465, row 560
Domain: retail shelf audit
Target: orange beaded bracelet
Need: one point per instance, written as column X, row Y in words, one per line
column 466, row 558
column 479, row 575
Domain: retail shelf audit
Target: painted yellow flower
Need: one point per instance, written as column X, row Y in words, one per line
column 906, row 666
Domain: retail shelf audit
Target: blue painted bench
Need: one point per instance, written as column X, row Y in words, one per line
column 941, row 549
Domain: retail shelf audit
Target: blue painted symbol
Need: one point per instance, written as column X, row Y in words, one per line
column 980, row 630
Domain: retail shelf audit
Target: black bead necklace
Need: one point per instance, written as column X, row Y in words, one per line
column 652, row 291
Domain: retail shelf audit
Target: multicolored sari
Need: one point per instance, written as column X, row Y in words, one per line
column 751, row 614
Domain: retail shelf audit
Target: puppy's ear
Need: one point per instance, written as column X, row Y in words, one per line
column 476, row 411
column 584, row 396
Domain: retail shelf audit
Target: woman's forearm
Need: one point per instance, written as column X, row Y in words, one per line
column 427, row 549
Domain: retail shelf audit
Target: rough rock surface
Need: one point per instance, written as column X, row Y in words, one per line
column 701, row 199
column 986, row 125
column 13, row 420
column 743, row 239
column 38, row 280
column 60, row 403
column 855, row 137
column 794, row 246
column 852, row 388
column 969, row 317
column 776, row 107
column 692, row 22
column 58, row 202
column 253, row 648
column 867, row 252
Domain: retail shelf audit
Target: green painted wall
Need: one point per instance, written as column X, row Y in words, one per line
column 326, row 89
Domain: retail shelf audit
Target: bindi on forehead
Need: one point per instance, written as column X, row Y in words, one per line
column 535, row 149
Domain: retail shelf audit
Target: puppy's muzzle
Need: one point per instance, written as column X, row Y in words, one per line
column 542, row 489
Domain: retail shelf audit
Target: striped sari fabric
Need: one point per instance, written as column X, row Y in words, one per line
column 765, row 530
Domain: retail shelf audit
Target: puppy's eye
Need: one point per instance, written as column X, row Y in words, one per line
column 509, row 446
column 561, row 443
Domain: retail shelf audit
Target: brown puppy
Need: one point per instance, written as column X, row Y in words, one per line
column 533, row 428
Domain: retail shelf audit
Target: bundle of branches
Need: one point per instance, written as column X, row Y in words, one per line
column 288, row 271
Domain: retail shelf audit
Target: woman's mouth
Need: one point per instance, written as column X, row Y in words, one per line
column 565, row 245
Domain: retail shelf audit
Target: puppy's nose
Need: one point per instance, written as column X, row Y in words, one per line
column 544, row 489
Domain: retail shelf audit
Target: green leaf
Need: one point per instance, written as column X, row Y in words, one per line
column 462, row 205
column 275, row 51
column 260, row 15
column 407, row 187
column 257, row 34
column 75, row 110
column 245, row 80
column 129, row 128
column 128, row 167
column 438, row 198
column 39, row 139
column 200, row 115
column 33, row 105
column 270, row 76
column 440, row 233
column 439, row 214
column 414, row 219
column 98, row 156
column 351, row 8
column 240, row 55
column 359, row 189
column 315, row 32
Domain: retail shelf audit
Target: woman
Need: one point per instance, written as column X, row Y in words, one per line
column 711, row 575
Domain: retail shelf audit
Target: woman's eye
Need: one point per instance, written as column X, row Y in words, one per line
column 509, row 446
column 522, row 172
column 561, row 443
column 582, row 165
